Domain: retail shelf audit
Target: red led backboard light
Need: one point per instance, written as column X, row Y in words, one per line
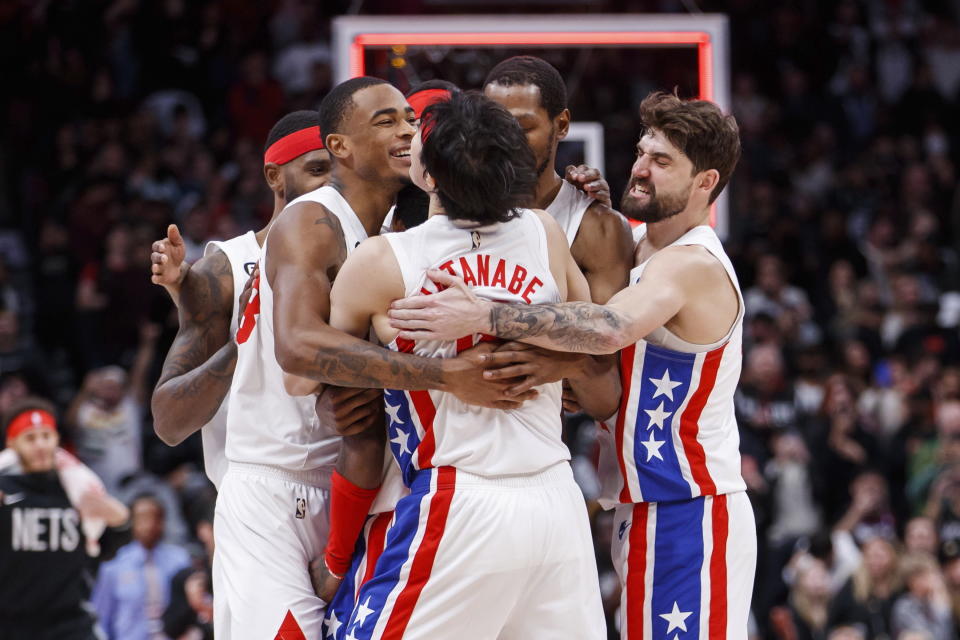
column 700, row 39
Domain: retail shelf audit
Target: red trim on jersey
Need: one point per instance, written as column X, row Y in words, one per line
column 464, row 343
column 690, row 423
column 718, row 569
column 404, row 345
column 426, row 412
column 289, row 629
column 250, row 313
column 627, row 356
column 376, row 541
column 637, row 571
column 426, row 554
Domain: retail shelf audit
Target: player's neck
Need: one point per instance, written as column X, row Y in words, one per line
column 666, row 232
column 548, row 186
column 369, row 199
column 279, row 204
column 435, row 208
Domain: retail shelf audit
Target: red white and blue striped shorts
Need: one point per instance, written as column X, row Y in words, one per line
column 686, row 568
column 474, row 557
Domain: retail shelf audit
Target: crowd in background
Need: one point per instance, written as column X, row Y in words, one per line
column 120, row 116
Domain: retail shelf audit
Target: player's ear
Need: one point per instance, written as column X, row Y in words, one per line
column 562, row 123
column 338, row 145
column 707, row 180
column 274, row 176
column 429, row 182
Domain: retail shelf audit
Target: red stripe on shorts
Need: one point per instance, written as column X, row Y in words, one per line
column 637, row 571
column 375, row 543
column 425, row 555
column 690, row 423
column 718, row 569
column 626, row 375
column 289, row 629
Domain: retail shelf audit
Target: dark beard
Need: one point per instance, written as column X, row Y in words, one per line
column 656, row 209
column 290, row 194
column 550, row 146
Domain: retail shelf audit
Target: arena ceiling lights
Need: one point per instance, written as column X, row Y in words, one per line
column 352, row 35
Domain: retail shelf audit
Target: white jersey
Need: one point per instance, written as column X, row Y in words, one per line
column 242, row 253
column 568, row 209
column 508, row 262
column 266, row 425
column 675, row 436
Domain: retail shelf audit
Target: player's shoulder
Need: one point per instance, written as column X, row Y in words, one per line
column 692, row 262
column 215, row 266
column 600, row 220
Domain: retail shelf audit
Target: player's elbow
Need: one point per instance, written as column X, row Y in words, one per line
column 165, row 425
column 290, row 353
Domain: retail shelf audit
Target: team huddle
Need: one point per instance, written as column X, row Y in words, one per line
column 379, row 374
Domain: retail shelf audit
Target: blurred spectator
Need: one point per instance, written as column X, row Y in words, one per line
column 190, row 612
column 133, row 589
column 52, row 512
column 925, row 607
column 107, row 416
column 805, row 618
column 866, row 600
column 787, row 304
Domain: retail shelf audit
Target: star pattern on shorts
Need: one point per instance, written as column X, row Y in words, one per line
column 653, row 447
column 364, row 610
column 394, row 412
column 676, row 619
column 401, row 441
column 333, row 625
column 657, row 416
column 664, row 385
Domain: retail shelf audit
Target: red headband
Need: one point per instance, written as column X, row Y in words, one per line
column 293, row 146
column 423, row 99
column 30, row 419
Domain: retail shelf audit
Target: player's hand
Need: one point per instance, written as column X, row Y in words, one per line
column 325, row 584
column 447, row 315
column 351, row 411
column 531, row 365
column 464, row 379
column 246, row 293
column 589, row 180
column 167, row 260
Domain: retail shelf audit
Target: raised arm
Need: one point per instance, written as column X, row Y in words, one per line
column 199, row 367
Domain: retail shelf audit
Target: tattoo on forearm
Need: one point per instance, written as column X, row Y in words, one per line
column 198, row 369
column 571, row 326
column 367, row 365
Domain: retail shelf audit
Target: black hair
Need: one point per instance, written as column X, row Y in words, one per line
column 412, row 208
column 337, row 105
column 291, row 123
column 479, row 158
column 433, row 84
column 530, row 70
column 30, row 403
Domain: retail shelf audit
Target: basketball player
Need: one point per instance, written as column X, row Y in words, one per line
column 685, row 540
column 271, row 508
column 532, row 90
column 199, row 366
column 492, row 540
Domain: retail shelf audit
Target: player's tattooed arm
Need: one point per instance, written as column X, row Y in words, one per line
column 670, row 279
column 199, row 367
column 603, row 249
column 305, row 252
